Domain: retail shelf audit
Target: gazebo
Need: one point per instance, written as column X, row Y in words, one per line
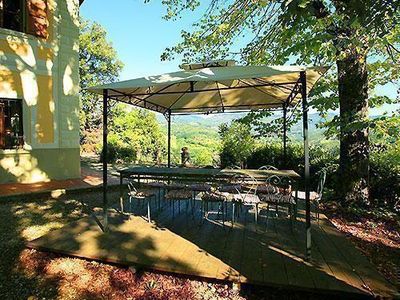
column 218, row 87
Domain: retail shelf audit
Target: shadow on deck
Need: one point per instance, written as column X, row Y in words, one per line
column 269, row 253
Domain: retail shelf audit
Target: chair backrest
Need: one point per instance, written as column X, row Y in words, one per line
column 321, row 183
column 131, row 187
column 267, row 167
column 248, row 186
column 280, row 186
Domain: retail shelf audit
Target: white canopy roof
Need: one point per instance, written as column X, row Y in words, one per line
column 200, row 89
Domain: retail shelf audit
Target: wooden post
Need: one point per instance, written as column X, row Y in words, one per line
column 105, row 154
column 306, row 162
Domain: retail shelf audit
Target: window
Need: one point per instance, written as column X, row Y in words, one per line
column 11, row 129
column 12, row 14
column 29, row 16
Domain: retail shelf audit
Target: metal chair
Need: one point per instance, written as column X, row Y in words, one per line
column 267, row 167
column 178, row 192
column 277, row 191
column 214, row 196
column 246, row 195
column 160, row 187
column 316, row 196
column 141, row 194
column 199, row 188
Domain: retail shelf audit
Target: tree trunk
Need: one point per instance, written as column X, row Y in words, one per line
column 353, row 184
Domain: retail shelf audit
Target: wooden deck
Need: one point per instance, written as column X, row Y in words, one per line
column 268, row 253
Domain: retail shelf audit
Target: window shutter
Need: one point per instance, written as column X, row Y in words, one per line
column 37, row 22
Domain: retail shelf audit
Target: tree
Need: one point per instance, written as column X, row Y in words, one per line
column 136, row 135
column 321, row 32
column 237, row 144
column 98, row 64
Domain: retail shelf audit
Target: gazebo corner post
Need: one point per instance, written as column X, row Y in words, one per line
column 306, row 162
column 168, row 116
column 105, row 159
column 284, row 134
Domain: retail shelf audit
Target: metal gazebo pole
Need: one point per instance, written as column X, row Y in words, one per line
column 306, row 162
column 105, row 146
column 284, row 134
column 169, row 138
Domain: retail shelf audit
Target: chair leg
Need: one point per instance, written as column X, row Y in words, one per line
column 148, row 210
column 233, row 213
column 121, row 203
column 193, row 207
column 223, row 213
column 256, row 213
column 159, row 199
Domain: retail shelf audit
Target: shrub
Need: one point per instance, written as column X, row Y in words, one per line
column 237, row 144
column 118, row 151
column 90, row 141
column 385, row 178
column 321, row 158
column 271, row 153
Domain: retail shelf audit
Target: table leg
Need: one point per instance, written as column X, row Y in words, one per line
column 121, row 200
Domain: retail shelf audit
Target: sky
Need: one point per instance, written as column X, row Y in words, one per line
column 140, row 35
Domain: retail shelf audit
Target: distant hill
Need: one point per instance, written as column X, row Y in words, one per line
column 203, row 120
column 210, row 123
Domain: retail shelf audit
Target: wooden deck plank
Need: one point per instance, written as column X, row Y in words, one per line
column 375, row 282
column 230, row 254
column 274, row 269
column 196, row 254
column 268, row 254
column 215, row 246
column 341, row 269
column 172, row 254
column 318, row 269
column 251, row 261
column 297, row 272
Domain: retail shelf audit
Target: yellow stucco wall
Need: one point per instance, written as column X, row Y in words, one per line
column 45, row 110
column 44, row 74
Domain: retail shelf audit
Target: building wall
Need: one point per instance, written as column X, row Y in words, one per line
column 45, row 75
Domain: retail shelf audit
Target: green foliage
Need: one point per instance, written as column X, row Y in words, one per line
column 311, row 31
column 237, row 144
column 202, row 141
column 385, row 176
column 385, row 162
column 324, row 155
column 135, row 136
column 98, row 64
column 271, row 153
column 302, row 32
